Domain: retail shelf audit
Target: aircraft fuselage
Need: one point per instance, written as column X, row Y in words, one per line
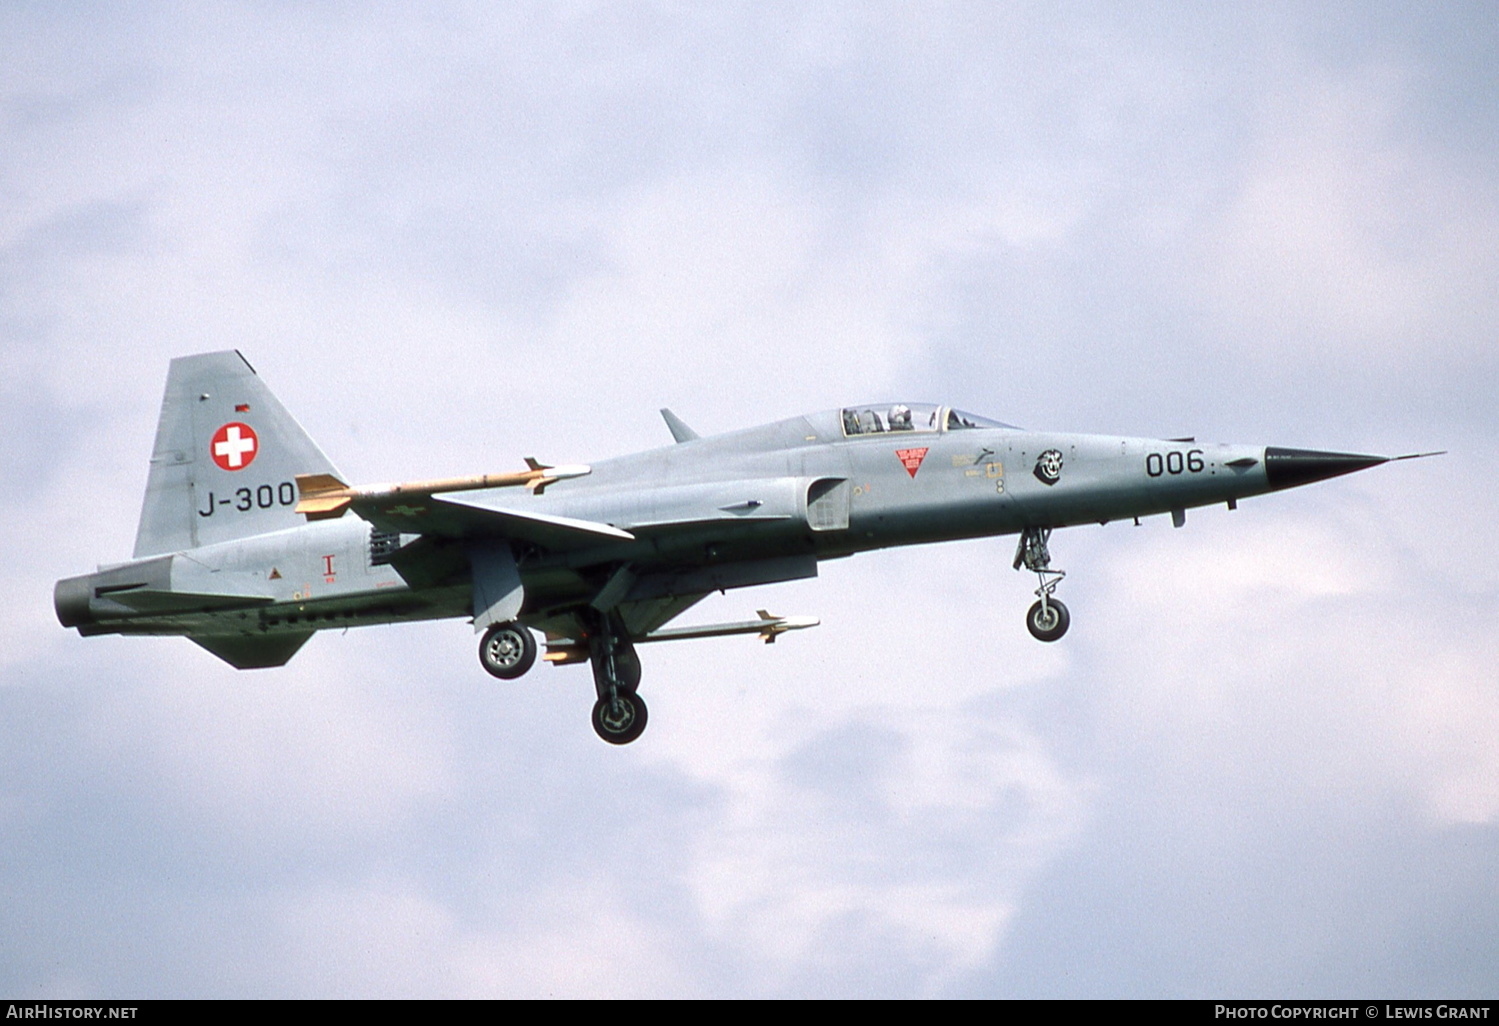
column 707, row 513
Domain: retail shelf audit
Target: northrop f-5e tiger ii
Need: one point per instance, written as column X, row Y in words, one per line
column 250, row 541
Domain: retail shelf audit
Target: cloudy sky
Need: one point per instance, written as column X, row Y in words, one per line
column 1263, row 762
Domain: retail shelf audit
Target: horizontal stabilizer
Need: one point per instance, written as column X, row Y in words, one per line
column 254, row 652
column 152, row 600
column 163, row 585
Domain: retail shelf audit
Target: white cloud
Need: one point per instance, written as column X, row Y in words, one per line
column 1308, row 643
column 274, row 755
column 1347, row 237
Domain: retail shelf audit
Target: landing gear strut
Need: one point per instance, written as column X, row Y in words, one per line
column 507, row 650
column 619, row 715
column 1047, row 620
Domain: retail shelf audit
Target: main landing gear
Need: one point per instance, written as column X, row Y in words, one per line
column 1047, row 619
column 619, row 715
column 508, row 650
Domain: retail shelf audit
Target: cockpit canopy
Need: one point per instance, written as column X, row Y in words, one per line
column 913, row 417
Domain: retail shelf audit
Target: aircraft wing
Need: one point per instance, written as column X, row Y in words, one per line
column 640, row 617
column 464, row 519
column 643, row 616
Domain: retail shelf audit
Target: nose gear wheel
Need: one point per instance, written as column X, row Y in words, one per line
column 1047, row 622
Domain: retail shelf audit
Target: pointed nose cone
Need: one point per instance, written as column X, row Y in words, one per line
column 1287, row 468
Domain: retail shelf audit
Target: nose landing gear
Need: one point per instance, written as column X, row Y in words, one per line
column 1048, row 619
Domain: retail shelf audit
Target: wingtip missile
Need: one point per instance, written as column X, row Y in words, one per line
column 544, row 475
column 323, row 496
column 768, row 627
column 775, row 626
column 561, row 651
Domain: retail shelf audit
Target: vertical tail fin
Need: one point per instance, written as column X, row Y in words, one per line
column 226, row 457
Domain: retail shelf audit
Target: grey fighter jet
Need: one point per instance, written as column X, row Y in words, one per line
column 246, row 544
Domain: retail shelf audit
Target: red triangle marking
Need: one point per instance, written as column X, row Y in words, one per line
column 911, row 459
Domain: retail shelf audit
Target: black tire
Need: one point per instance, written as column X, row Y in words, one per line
column 1048, row 623
column 507, row 650
column 621, row 726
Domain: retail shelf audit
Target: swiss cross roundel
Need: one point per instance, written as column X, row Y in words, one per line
column 234, row 446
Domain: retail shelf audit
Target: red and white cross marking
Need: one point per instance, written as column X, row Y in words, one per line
column 234, row 446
